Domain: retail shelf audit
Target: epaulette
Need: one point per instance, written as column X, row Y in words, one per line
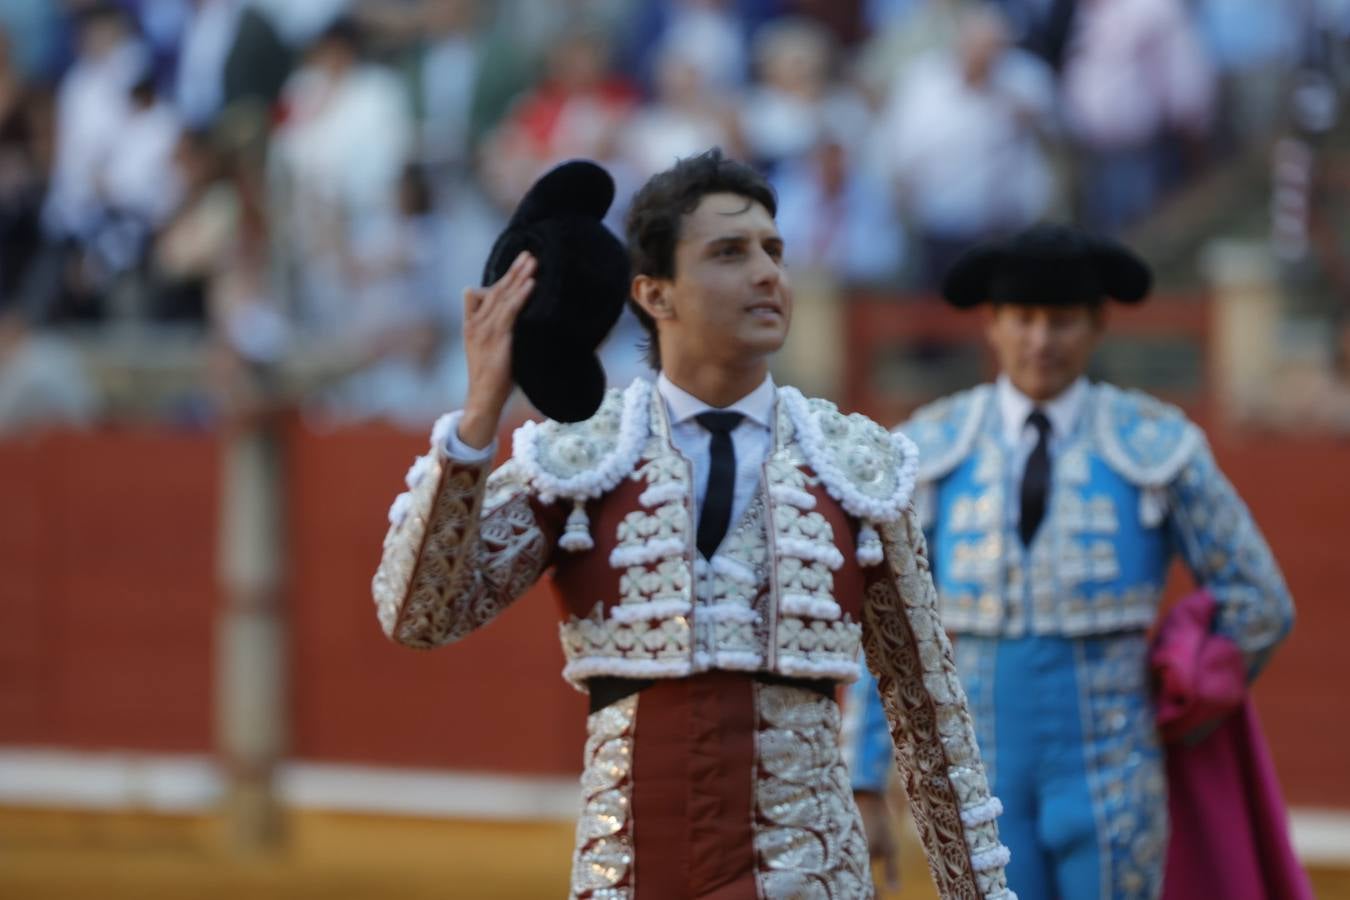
column 1143, row 439
column 583, row 460
column 944, row 431
column 867, row 469
column 579, row 461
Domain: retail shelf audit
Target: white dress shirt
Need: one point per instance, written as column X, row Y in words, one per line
column 1019, row 436
column 751, row 440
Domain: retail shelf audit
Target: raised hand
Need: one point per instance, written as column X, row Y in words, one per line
column 489, row 317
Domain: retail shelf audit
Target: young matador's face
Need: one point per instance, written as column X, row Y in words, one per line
column 730, row 298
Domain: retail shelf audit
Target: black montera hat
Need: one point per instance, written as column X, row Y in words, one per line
column 581, row 284
column 1047, row 265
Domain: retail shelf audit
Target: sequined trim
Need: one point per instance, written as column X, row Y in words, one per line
column 1124, row 765
column 936, row 746
column 602, row 863
column 867, row 469
column 595, row 645
column 935, row 741
column 808, row 833
column 976, row 660
column 586, row 459
column 654, row 545
column 945, row 430
column 1145, row 440
column 408, row 518
column 731, row 627
column 1072, row 583
column 1094, row 513
column 1228, row 555
column 813, row 637
column 449, row 567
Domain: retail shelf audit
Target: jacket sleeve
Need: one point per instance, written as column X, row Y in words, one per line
column 462, row 545
column 867, row 733
column 1225, row 551
column 867, row 736
column 936, row 753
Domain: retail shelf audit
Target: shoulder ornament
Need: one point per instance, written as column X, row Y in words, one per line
column 1146, row 441
column 945, row 430
column 867, row 469
column 580, row 461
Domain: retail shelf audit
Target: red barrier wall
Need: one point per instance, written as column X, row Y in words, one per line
column 107, row 593
column 1299, row 492
column 106, row 545
column 495, row 701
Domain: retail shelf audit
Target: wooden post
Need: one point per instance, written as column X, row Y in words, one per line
column 250, row 644
column 1246, row 326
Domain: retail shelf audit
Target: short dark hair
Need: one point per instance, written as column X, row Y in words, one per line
column 345, row 31
column 659, row 207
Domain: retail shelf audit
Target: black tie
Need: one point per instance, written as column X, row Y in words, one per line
column 1036, row 479
column 716, row 515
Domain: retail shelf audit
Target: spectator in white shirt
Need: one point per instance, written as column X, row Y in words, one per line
column 136, row 183
column 348, row 128
column 961, row 139
column 335, row 163
column 92, row 105
column 138, row 179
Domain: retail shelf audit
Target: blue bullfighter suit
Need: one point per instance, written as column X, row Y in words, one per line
column 1052, row 635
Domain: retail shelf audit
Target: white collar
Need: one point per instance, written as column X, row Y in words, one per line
column 1063, row 410
column 683, row 406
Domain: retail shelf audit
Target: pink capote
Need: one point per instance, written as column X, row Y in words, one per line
column 1230, row 835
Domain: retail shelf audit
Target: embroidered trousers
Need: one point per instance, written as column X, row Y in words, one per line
column 1066, row 729
column 718, row 787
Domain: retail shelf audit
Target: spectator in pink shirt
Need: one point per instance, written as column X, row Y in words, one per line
column 1137, row 81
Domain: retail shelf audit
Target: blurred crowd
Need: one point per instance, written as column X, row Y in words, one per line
column 309, row 184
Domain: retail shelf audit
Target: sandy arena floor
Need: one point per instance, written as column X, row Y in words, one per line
column 46, row 855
